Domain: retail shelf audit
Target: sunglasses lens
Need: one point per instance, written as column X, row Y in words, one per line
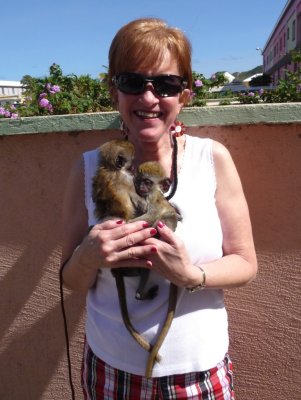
column 164, row 85
column 168, row 85
column 130, row 83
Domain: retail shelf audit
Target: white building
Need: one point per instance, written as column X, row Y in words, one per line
column 10, row 92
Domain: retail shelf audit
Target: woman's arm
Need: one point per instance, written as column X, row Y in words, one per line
column 238, row 266
column 75, row 228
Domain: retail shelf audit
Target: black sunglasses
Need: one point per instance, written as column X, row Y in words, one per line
column 164, row 85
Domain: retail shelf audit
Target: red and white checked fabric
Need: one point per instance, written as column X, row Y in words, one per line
column 100, row 381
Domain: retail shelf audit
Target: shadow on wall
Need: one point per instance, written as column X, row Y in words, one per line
column 33, row 348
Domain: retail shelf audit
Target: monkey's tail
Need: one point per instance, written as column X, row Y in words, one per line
column 126, row 319
column 172, row 301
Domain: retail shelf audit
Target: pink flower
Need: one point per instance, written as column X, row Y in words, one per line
column 55, row 89
column 251, row 94
column 7, row 114
column 198, row 83
column 42, row 95
column 260, row 92
column 14, row 116
column 2, row 111
column 44, row 103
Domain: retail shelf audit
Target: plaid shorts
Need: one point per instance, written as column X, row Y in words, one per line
column 101, row 381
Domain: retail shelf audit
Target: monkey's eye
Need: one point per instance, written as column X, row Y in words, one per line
column 148, row 183
column 120, row 161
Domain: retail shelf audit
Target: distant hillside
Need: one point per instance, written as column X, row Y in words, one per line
column 240, row 76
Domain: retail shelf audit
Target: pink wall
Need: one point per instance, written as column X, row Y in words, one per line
column 265, row 317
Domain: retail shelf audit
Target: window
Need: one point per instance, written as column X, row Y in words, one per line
column 294, row 30
column 288, row 33
column 280, row 44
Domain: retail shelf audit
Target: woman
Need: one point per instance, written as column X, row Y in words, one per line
column 212, row 248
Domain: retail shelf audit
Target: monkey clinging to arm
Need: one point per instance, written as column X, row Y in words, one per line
column 151, row 183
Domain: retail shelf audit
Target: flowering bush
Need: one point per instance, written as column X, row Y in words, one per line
column 71, row 94
column 63, row 94
column 289, row 88
column 250, row 97
column 202, row 86
column 8, row 111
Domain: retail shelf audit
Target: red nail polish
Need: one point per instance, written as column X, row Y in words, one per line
column 160, row 224
column 153, row 231
column 154, row 250
column 119, row 222
column 145, row 225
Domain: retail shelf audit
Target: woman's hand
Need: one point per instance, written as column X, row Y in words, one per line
column 111, row 244
column 170, row 259
column 114, row 244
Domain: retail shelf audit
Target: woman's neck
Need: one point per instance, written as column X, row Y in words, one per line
column 161, row 152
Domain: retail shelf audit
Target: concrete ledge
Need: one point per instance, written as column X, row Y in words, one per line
column 192, row 116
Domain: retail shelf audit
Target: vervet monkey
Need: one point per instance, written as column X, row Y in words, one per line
column 117, row 194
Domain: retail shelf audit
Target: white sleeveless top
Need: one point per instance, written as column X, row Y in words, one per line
column 198, row 337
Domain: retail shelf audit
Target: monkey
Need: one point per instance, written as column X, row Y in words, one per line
column 116, row 193
column 113, row 190
column 151, row 183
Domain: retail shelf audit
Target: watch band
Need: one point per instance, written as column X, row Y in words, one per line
column 201, row 286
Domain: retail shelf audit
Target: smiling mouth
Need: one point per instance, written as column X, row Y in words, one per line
column 145, row 114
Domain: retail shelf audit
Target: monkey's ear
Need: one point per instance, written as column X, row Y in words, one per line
column 165, row 185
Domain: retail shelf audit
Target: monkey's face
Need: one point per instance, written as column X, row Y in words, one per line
column 117, row 155
column 125, row 162
column 148, row 185
column 144, row 186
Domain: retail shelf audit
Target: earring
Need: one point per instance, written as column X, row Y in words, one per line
column 178, row 129
column 123, row 129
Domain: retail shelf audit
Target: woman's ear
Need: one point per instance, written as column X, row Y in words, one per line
column 185, row 97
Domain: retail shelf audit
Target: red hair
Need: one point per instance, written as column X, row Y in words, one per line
column 143, row 43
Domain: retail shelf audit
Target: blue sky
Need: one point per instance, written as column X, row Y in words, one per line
column 76, row 34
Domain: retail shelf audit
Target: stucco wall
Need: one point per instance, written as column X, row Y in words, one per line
column 265, row 317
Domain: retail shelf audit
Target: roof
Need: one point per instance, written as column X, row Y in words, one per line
column 277, row 23
column 11, row 83
column 251, row 77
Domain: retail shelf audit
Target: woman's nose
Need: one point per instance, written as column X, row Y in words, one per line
column 149, row 95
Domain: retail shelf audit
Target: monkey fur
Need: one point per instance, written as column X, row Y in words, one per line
column 113, row 190
column 116, row 193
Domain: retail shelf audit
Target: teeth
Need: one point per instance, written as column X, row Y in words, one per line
column 146, row 114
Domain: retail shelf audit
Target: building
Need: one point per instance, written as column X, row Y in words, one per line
column 285, row 36
column 10, row 92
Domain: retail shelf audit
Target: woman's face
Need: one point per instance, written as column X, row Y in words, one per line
column 148, row 116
